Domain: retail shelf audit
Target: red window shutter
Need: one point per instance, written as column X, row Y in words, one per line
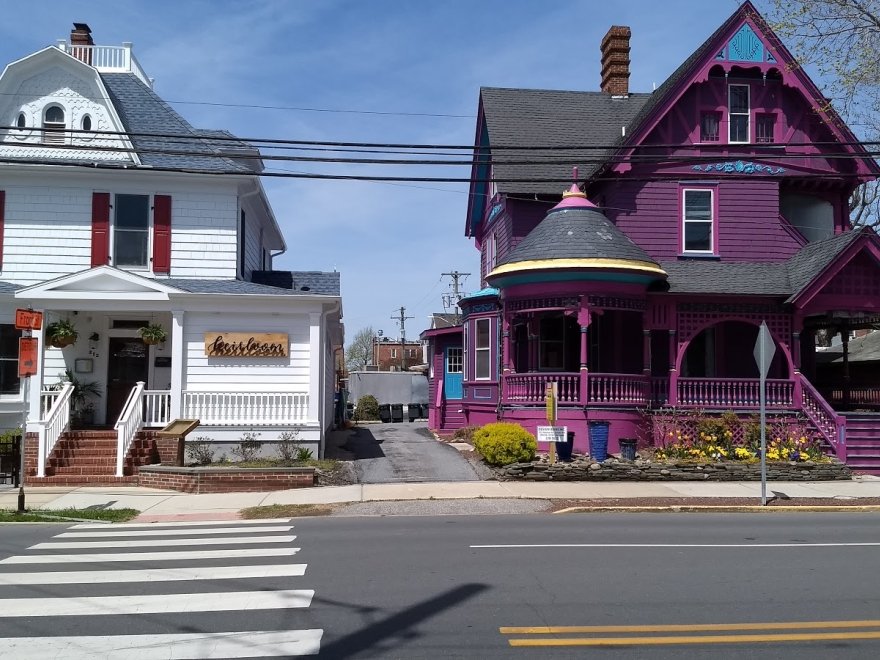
column 162, row 234
column 2, row 223
column 100, row 229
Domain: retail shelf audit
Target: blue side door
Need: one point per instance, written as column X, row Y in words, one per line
column 453, row 372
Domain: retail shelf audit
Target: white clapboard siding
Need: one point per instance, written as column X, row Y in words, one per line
column 290, row 374
column 203, row 234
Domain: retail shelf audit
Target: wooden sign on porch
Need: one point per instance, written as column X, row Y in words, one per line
column 246, row 344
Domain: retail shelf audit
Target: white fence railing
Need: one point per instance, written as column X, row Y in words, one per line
column 157, row 407
column 47, row 399
column 128, row 424
column 52, row 425
column 107, row 59
column 246, row 408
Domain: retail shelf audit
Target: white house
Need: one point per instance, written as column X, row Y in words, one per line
column 116, row 213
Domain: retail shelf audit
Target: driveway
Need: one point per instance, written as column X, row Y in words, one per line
column 402, row 452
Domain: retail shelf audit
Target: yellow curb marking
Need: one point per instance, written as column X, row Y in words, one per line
column 695, row 639
column 710, row 639
column 685, row 627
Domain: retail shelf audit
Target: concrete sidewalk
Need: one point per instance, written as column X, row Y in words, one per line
column 164, row 504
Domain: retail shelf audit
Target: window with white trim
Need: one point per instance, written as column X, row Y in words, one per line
column 131, row 231
column 738, row 108
column 53, row 125
column 9, row 380
column 454, row 360
column 482, row 350
column 697, row 220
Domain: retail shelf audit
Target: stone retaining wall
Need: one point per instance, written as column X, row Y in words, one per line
column 585, row 469
column 224, row 480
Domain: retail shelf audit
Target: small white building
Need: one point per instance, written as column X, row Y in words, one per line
column 115, row 213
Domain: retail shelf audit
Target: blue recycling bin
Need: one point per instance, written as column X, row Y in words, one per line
column 563, row 449
column 599, row 440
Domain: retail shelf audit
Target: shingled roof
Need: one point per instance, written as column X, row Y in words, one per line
column 321, row 284
column 553, row 118
column 142, row 111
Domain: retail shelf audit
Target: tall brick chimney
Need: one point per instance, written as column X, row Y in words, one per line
column 80, row 40
column 615, row 60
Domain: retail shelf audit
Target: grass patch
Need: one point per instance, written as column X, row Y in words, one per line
column 286, row 511
column 60, row 515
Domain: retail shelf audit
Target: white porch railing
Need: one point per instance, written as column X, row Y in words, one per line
column 128, row 424
column 47, row 398
column 246, row 408
column 107, row 59
column 52, row 425
column 157, row 407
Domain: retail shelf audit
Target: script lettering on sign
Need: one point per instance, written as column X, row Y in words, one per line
column 246, row 344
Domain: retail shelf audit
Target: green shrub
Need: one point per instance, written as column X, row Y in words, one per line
column 503, row 443
column 249, row 446
column 288, row 445
column 200, row 450
column 367, row 408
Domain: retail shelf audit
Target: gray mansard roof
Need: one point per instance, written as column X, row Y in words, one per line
column 142, row 111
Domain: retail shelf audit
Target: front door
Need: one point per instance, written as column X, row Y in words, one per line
column 452, row 377
column 128, row 363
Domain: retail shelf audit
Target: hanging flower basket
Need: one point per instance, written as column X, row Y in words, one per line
column 61, row 333
column 61, row 342
column 152, row 334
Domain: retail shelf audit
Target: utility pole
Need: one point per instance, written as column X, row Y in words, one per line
column 402, row 321
column 451, row 299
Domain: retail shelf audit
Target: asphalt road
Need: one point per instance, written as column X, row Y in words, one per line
column 404, row 452
column 418, row 588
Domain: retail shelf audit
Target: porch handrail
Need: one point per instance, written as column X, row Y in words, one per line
column 47, row 399
column 51, row 427
column 128, row 424
column 246, row 408
column 618, row 389
column 831, row 425
column 157, row 407
column 734, row 392
column 530, row 387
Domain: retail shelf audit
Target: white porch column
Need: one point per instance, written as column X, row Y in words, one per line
column 178, row 363
column 36, row 382
column 315, row 362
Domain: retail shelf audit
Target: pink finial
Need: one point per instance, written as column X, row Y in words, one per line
column 574, row 197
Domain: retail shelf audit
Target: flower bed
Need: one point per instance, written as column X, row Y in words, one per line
column 583, row 468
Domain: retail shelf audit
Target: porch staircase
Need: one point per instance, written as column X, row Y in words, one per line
column 863, row 442
column 88, row 457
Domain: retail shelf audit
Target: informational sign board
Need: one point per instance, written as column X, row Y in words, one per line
column 552, row 433
column 28, row 319
column 27, row 356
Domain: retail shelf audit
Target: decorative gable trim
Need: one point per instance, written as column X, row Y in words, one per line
column 746, row 46
column 867, row 242
column 101, row 283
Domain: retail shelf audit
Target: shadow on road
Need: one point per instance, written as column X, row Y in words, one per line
column 361, row 444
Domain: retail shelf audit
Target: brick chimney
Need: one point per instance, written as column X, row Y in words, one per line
column 615, row 60
column 80, row 40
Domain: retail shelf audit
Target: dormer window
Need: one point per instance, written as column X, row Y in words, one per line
column 21, row 121
column 86, row 123
column 53, row 125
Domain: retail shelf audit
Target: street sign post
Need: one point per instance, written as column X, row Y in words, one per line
column 764, row 351
column 550, row 393
column 28, row 354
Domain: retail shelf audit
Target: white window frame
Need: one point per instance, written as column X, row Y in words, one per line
column 483, row 350
column 17, row 395
column 685, row 220
column 53, row 131
column 747, row 114
column 148, row 266
column 454, row 358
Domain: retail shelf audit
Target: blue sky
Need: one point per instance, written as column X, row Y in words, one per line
column 217, row 60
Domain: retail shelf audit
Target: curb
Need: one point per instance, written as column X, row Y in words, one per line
column 709, row 508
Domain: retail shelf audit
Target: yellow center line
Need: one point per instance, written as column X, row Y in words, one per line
column 707, row 639
column 685, row 627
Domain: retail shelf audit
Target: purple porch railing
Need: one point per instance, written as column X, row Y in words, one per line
column 831, row 425
column 618, row 389
column 529, row 388
column 861, row 396
column 734, row 392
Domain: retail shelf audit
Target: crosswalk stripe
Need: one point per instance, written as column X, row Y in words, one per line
column 174, row 532
column 238, row 601
column 98, row 558
column 153, row 575
column 184, row 523
column 246, row 644
column 144, row 543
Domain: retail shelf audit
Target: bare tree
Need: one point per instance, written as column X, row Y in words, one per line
column 841, row 39
column 360, row 351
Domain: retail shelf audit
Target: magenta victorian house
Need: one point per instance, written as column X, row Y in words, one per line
column 715, row 203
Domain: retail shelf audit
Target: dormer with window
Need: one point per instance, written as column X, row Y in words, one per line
column 53, row 125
